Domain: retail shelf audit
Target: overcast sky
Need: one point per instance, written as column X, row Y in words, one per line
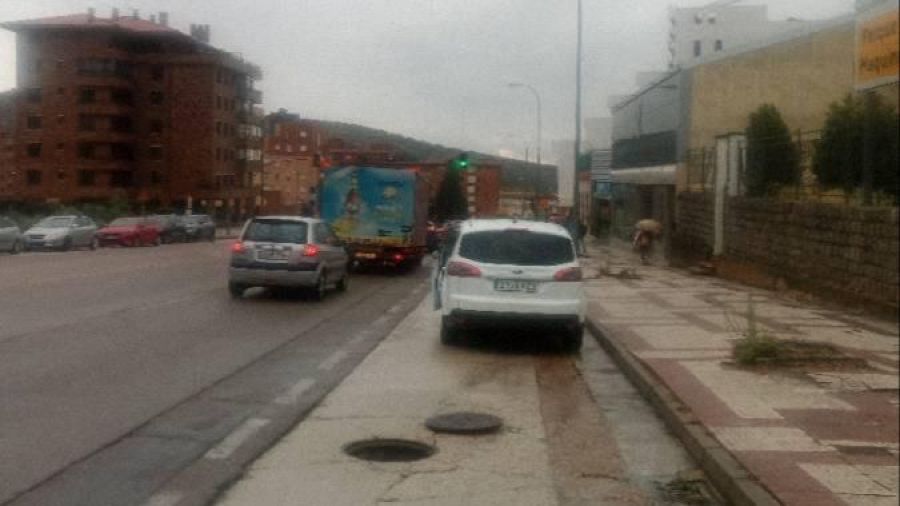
column 431, row 69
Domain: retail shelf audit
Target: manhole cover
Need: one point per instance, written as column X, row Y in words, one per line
column 389, row 450
column 464, row 422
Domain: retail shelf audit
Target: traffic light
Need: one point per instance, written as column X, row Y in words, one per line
column 461, row 162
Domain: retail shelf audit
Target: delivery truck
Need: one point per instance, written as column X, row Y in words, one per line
column 379, row 213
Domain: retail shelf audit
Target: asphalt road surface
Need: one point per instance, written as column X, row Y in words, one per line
column 120, row 368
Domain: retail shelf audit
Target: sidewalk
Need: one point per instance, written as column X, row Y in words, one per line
column 818, row 435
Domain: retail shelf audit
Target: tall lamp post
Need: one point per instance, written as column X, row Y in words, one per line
column 576, row 208
column 537, row 99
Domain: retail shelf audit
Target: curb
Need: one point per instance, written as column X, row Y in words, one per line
column 726, row 473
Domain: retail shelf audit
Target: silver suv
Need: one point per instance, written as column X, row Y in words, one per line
column 287, row 252
column 62, row 233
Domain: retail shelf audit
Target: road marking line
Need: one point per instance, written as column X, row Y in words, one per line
column 292, row 394
column 332, row 360
column 164, row 499
column 393, row 309
column 237, row 437
column 381, row 320
column 358, row 338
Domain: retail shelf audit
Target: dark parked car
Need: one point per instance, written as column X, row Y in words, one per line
column 199, row 227
column 171, row 228
column 11, row 238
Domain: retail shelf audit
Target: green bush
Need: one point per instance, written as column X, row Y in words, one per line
column 773, row 159
column 755, row 349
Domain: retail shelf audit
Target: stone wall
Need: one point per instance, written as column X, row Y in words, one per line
column 837, row 253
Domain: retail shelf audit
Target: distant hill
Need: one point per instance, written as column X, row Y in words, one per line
column 517, row 174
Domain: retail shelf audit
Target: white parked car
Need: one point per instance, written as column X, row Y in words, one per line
column 288, row 252
column 62, row 233
column 509, row 271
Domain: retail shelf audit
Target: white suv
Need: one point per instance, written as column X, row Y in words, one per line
column 521, row 272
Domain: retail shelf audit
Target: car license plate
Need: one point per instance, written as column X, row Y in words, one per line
column 515, row 285
column 271, row 254
column 367, row 256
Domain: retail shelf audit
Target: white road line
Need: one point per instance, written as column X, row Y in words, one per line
column 393, row 309
column 237, row 437
column 358, row 338
column 293, row 393
column 164, row 499
column 332, row 360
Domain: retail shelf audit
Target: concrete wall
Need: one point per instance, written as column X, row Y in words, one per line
column 801, row 77
column 836, row 253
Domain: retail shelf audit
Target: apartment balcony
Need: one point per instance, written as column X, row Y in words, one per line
column 250, row 94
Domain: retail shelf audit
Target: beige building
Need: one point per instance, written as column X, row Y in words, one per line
column 289, row 184
column 801, row 76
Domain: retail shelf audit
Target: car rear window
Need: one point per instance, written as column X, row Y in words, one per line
column 516, row 247
column 293, row 232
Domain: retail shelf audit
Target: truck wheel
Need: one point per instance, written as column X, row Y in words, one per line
column 573, row 338
column 236, row 290
column 449, row 332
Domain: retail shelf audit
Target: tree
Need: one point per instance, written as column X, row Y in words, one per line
column 450, row 203
column 838, row 161
column 772, row 157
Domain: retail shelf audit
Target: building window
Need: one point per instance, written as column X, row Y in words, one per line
column 34, row 122
column 303, row 148
column 33, row 95
column 155, row 177
column 87, row 178
column 122, row 97
column 697, row 48
column 87, row 96
column 157, row 72
column 121, row 124
column 60, row 119
column 156, row 126
column 156, row 97
column 60, row 91
column 60, row 175
column 218, row 154
column 711, row 19
column 120, row 179
column 34, row 149
column 121, row 151
column 87, row 123
column 86, row 150
column 303, row 133
column 718, row 45
column 60, row 145
column 33, row 177
column 155, row 153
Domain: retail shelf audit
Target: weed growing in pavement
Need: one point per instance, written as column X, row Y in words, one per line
column 756, row 345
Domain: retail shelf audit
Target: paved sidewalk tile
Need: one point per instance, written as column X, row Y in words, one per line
column 810, row 436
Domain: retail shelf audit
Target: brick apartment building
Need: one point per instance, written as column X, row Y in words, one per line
column 291, row 148
column 7, row 122
column 124, row 106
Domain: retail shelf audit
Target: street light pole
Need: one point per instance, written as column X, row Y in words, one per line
column 576, row 208
column 537, row 99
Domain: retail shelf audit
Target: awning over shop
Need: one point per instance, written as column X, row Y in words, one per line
column 656, row 175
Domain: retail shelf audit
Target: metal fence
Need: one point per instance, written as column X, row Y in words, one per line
column 701, row 172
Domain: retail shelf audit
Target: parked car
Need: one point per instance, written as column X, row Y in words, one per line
column 510, row 272
column 62, row 232
column 199, row 227
column 288, row 252
column 171, row 227
column 131, row 231
column 11, row 238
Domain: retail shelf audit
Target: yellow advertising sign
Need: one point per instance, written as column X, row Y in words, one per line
column 877, row 58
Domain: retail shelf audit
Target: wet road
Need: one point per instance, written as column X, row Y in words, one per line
column 120, row 367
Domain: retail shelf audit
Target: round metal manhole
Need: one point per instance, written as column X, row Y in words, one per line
column 465, row 422
column 389, row 450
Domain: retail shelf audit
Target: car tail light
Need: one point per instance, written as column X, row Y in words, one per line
column 568, row 274
column 398, row 257
column 238, row 247
column 463, row 270
column 310, row 250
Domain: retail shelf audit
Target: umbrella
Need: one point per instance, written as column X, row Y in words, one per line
column 649, row 225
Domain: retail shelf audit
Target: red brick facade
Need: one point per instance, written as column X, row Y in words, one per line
column 131, row 108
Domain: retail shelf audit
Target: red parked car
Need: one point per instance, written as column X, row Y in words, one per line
column 135, row 231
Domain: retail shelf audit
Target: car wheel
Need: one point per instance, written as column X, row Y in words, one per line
column 344, row 282
column 236, row 290
column 449, row 332
column 16, row 248
column 320, row 290
column 212, row 237
column 94, row 243
column 573, row 339
column 157, row 241
column 66, row 245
